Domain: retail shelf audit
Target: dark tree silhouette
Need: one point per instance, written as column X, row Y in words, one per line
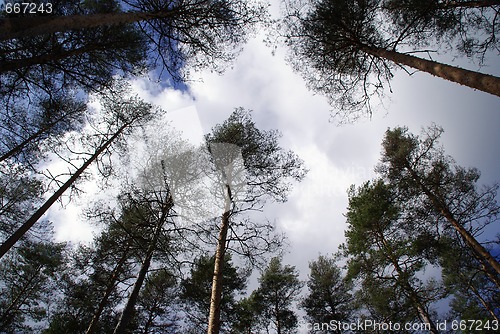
column 342, row 50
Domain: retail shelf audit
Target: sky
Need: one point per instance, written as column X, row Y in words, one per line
column 336, row 156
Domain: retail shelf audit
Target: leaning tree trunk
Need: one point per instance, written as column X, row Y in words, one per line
column 104, row 300
column 19, row 147
column 128, row 311
column 410, row 290
column 7, row 244
column 30, row 26
column 483, row 255
column 215, row 298
column 484, row 82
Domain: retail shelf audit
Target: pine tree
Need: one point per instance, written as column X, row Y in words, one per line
column 343, row 51
column 278, row 288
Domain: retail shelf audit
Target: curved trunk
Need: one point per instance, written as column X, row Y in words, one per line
column 484, row 82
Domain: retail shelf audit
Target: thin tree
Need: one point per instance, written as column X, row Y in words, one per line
column 381, row 251
column 157, row 303
column 409, row 161
column 475, row 296
column 341, row 49
column 28, row 278
column 51, row 119
column 252, row 168
column 128, row 114
column 196, row 291
column 157, row 211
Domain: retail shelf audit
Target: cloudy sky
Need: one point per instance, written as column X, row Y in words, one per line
column 336, row 156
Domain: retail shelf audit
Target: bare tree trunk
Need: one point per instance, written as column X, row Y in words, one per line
column 128, row 311
column 18, row 27
column 215, row 298
column 7, row 244
column 19, row 147
column 484, row 82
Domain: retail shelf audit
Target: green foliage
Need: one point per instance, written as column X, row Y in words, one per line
column 404, row 223
column 279, row 287
column 327, row 39
column 157, row 302
column 381, row 255
column 29, row 279
column 19, row 194
column 85, row 58
column 329, row 298
column 464, row 25
column 196, row 291
column 347, row 50
column 267, row 167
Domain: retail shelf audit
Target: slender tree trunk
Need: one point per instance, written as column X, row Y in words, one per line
column 485, row 304
column 17, row 64
column 128, row 311
column 18, row 27
column 107, row 293
column 215, row 298
column 484, row 82
column 27, row 286
column 482, row 253
column 410, row 290
column 277, row 314
column 19, row 147
column 7, row 244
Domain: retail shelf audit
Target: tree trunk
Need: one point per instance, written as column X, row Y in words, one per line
column 215, row 298
column 19, row 147
column 128, row 311
column 107, row 293
column 12, row 65
column 477, row 248
column 7, row 244
column 20, row 27
column 410, row 290
column 484, row 82
column 485, row 304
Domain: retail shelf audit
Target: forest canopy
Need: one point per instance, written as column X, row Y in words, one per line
column 214, row 235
